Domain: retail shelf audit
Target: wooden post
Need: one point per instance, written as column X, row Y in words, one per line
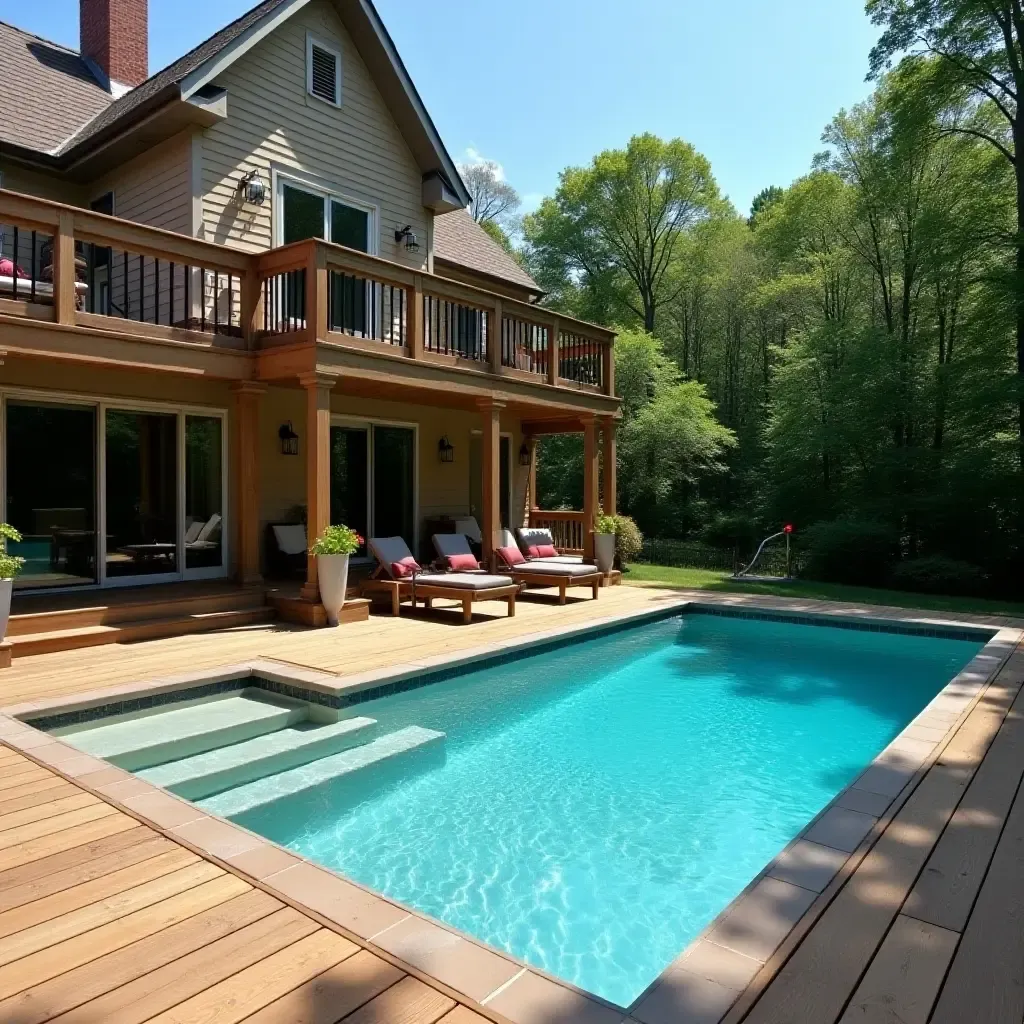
column 252, row 307
column 553, row 332
column 490, row 411
column 64, row 269
column 531, row 501
column 609, row 497
column 494, row 334
column 318, row 468
column 414, row 317
column 246, row 451
column 590, row 482
column 609, row 368
column 316, row 292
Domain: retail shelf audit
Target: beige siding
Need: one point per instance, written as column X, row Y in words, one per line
column 44, row 186
column 273, row 124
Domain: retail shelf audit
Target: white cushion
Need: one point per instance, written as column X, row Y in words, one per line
column 463, row 580
column 291, row 538
column 560, row 560
column 552, row 568
column 192, row 533
column 212, row 527
column 533, row 536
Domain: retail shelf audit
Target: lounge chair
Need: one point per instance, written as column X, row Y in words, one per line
column 399, row 576
column 542, row 573
column 533, row 538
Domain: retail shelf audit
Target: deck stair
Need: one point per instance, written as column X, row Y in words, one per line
column 46, row 623
column 226, row 767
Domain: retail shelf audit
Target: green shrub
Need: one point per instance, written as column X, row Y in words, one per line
column 731, row 532
column 850, row 551
column 936, row 574
column 629, row 541
column 337, row 540
column 10, row 565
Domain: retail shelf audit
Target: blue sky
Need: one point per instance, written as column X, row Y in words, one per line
column 539, row 85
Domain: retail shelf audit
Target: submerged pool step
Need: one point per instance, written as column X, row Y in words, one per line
column 148, row 740
column 348, row 764
column 217, row 770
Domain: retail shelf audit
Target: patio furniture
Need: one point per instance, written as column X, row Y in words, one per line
column 399, row 576
column 532, row 538
column 286, row 550
column 546, row 572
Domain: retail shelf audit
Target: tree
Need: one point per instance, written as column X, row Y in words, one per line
column 979, row 46
column 495, row 201
column 617, row 224
column 764, row 201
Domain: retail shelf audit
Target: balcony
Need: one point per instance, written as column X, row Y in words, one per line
column 74, row 268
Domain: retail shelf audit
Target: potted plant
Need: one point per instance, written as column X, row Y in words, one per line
column 605, row 528
column 332, row 549
column 10, row 566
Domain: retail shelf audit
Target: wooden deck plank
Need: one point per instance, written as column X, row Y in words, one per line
column 67, row 839
column 95, row 810
column 985, row 984
column 328, row 997
column 49, row 809
column 86, row 894
column 76, row 921
column 179, row 980
column 26, row 796
column 463, row 1015
column 21, row 776
column 408, row 1002
column 821, row 975
column 949, row 884
column 65, row 956
column 76, row 858
column 116, row 970
column 241, row 995
column 905, row 976
column 76, row 877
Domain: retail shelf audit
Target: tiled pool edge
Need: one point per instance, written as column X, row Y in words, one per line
column 526, row 990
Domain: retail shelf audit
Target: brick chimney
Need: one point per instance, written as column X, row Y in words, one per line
column 114, row 36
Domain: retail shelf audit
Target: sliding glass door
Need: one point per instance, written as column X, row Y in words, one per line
column 108, row 494
column 51, row 493
column 350, row 479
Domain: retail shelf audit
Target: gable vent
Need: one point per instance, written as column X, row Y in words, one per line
column 324, row 73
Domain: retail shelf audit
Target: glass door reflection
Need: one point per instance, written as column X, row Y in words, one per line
column 204, row 493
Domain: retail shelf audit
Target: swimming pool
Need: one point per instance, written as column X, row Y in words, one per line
column 596, row 805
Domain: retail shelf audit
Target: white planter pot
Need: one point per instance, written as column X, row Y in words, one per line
column 604, row 551
column 6, row 586
column 332, row 575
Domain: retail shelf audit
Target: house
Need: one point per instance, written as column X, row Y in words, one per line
column 245, row 291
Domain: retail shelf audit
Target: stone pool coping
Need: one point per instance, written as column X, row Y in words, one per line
column 709, row 975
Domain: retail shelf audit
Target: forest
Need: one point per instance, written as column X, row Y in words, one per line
column 846, row 356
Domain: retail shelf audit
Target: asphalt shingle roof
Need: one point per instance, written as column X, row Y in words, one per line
column 459, row 239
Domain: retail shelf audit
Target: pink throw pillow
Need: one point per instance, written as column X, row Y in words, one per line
column 543, row 551
column 512, row 555
column 406, row 567
column 463, row 561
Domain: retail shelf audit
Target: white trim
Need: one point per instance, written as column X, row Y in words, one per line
column 327, row 190
column 101, row 403
column 195, row 181
column 311, row 41
column 210, row 69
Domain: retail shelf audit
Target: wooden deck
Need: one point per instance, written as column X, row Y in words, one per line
column 105, row 918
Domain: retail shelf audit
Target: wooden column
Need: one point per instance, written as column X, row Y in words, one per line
column 553, row 332
column 252, row 307
column 609, row 368
column 494, row 332
column 490, row 413
column 246, row 477
column 316, row 291
column 64, row 299
column 590, row 483
column 414, row 317
column 609, row 495
column 318, row 468
column 531, row 499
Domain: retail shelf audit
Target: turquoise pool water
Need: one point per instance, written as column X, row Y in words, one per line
column 597, row 805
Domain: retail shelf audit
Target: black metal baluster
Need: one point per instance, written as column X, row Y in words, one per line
column 34, row 275
column 202, row 299
column 124, row 280
column 142, row 288
column 14, row 264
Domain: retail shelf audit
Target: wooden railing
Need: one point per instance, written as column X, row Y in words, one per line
column 74, row 266
column 567, row 527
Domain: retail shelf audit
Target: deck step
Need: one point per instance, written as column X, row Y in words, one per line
column 216, row 770
column 128, row 632
column 145, row 740
column 357, row 762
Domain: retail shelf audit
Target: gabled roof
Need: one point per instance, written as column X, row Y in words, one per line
column 458, row 239
column 50, row 91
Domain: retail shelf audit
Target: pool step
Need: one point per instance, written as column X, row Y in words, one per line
column 347, row 765
column 217, row 770
column 147, row 740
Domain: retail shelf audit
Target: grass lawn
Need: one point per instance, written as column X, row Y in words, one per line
column 722, row 582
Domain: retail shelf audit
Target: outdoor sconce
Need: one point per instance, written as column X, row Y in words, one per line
column 524, row 454
column 445, row 451
column 252, row 188
column 411, row 241
column 289, row 439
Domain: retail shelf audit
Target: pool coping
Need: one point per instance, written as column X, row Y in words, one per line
column 720, row 962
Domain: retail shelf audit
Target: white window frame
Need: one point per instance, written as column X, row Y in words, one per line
column 367, row 423
column 311, row 41
column 101, row 403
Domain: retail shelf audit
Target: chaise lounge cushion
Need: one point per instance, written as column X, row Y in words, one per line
column 405, row 567
column 291, row 538
column 556, row 569
column 536, row 535
column 463, row 580
column 511, row 555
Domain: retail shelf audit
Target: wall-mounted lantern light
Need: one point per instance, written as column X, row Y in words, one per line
column 445, row 451
column 289, row 439
column 407, row 235
column 252, row 188
column 524, row 454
